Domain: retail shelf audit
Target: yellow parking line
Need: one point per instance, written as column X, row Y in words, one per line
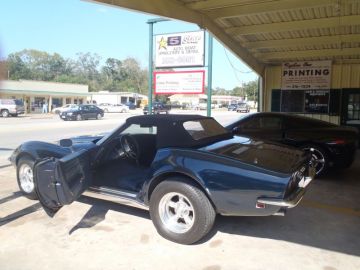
column 332, row 208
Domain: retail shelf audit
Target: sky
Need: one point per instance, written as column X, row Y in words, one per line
column 71, row 26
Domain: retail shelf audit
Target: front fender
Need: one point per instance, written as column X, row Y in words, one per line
column 39, row 150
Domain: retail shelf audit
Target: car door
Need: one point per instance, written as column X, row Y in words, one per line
column 93, row 111
column 87, row 112
column 60, row 182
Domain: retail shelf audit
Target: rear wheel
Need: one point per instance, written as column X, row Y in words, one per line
column 5, row 113
column 319, row 158
column 79, row 117
column 180, row 211
column 25, row 177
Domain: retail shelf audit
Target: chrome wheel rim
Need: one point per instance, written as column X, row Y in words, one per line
column 176, row 212
column 317, row 160
column 99, row 116
column 26, row 178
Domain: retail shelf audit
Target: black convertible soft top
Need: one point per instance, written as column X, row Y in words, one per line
column 171, row 131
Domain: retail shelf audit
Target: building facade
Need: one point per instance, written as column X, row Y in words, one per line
column 35, row 94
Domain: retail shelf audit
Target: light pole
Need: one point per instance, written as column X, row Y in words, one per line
column 209, row 82
column 151, row 41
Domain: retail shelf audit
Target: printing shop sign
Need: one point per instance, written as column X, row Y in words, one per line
column 306, row 75
column 185, row 49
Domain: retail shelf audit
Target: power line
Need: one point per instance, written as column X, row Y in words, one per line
column 232, row 65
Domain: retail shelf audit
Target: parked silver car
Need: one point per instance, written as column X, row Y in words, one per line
column 115, row 108
column 12, row 107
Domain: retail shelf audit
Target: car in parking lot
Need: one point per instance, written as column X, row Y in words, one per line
column 11, row 107
column 82, row 112
column 243, row 107
column 130, row 105
column 67, row 107
column 184, row 168
column 113, row 108
column 232, row 107
column 332, row 146
column 157, row 108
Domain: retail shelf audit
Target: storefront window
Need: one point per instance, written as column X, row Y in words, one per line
column 36, row 105
column 57, row 102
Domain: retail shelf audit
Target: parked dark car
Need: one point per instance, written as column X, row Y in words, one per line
column 82, row 112
column 12, row 107
column 184, row 168
column 232, row 107
column 332, row 145
column 131, row 105
column 157, row 108
column 243, row 107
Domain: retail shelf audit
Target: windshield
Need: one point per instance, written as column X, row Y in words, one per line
column 205, row 128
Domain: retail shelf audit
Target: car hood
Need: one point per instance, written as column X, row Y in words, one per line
column 269, row 156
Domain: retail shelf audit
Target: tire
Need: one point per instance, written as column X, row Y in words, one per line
column 98, row 116
column 25, row 182
column 5, row 113
column 195, row 207
column 123, row 111
column 79, row 117
column 321, row 157
column 106, row 110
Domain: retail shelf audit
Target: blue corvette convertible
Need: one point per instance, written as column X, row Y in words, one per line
column 184, row 168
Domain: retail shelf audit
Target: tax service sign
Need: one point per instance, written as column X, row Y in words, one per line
column 306, row 75
column 185, row 49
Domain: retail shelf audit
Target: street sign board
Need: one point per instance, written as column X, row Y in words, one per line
column 185, row 49
column 179, row 82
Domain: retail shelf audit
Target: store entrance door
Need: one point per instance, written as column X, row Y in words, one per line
column 350, row 112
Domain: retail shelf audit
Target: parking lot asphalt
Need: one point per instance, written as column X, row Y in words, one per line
column 321, row 233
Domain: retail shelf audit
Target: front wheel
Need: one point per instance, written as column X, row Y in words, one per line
column 98, row 116
column 25, row 177
column 5, row 113
column 180, row 211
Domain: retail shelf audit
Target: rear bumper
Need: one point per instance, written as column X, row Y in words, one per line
column 292, row 199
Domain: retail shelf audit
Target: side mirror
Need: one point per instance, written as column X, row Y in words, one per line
column 66, row 142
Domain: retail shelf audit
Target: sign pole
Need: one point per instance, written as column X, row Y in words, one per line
column 209, row 82
column 151, row 26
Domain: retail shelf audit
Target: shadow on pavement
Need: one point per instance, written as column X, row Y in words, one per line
column 99, row 209
column 95, row 215
column 11, row 197
column 23, row 212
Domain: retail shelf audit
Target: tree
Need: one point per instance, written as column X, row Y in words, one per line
column 251, row 90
